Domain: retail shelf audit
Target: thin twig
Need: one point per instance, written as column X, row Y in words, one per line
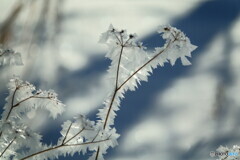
column 117, row 38
column 34, row 96
column 95, row 136
column 142, row 67
column 17, row 104
column 62, row 145
column 13, row 97
column 120, row 33
column 8, row 146
column 74, row 136
column 67, row 133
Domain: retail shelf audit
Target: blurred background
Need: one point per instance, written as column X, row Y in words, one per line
column 181, row 113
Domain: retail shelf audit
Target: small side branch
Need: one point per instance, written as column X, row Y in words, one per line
column 95, row 136
column 74, row 136
column 17, row 104
column 140, row 68
column 67, row 133
column 61, row 146
column 8, row 146
column 12, row 102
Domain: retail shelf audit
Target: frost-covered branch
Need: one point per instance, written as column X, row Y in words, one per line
column 20, row 142
column 64, row 145
column 9, row 57
column 75, row 142
column 24, row 98
column 131, row 64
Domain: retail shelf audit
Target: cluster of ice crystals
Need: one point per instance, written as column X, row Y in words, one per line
column 179, row 45
column 9, row 57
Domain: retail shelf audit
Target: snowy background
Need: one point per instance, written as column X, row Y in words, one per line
column 181, row 113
